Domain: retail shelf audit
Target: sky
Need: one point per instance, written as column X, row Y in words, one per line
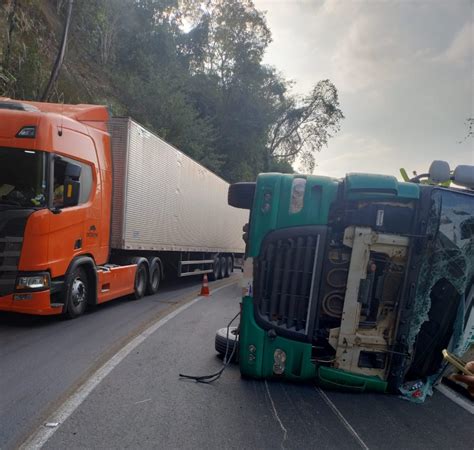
column 404, row 71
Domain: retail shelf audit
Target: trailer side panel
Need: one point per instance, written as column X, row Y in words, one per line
column 170, row 202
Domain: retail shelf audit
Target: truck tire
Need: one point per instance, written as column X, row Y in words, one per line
column 216, row 269
column 141, row 278
column 223, row 343
column 240, row 195
column 154, row 277
column 223, row 264
column 77, row 293
column 230, row 266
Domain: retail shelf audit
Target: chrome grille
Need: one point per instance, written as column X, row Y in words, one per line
column 285, row 283
column 12, row 228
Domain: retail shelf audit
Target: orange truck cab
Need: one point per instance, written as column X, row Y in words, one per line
column 55, row 210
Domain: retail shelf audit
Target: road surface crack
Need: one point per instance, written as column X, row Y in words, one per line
column 277, row 417
column 342, row 419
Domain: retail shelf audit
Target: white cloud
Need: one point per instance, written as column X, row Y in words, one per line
column 338, row 8
column 461, row 49
column 368, row 56
column 354, row 153
column 403, row 70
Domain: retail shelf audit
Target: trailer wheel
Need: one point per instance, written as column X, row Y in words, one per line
column 154, row 277
column 77, row 292
column 227, row 341
column 216, row 269
column 230, row 266
column 223, row 272
column 141, row 279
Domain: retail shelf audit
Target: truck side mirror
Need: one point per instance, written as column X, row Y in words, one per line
column 72, row 185
column 72, row 171
column 72, row 189
column 241, row 195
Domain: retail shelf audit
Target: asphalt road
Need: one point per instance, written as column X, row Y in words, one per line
column 44, row 359
column 142, row 402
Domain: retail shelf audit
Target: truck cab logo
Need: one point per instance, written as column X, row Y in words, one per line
column 92, row 233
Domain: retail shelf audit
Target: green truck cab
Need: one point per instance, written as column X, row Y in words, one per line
column 357, row 283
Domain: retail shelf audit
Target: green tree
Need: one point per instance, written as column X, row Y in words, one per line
column 305, row 125
column 470, row 128
column 190, row 70
column 22, row 40
column 260, row 124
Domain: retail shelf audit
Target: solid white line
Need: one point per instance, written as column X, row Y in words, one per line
column 143, row 401
column 342, row 418
column 453, row 396
column 277, row 417
column 70, row 405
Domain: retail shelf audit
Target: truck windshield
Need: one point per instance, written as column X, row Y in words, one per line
column 22, row 178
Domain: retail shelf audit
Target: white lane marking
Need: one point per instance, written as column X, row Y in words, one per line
column 342, row 418
column 453, row 396
column 69, row 406
column 277, row 417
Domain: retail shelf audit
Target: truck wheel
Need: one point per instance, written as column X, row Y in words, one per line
column 77, row 292
column 216, row 269
column 223, row 272
column 141, row 279
column 154, row 277
column 230, row 266
column 227, row 341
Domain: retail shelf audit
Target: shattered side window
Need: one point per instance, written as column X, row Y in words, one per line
column 442, row 312
column 449, row 257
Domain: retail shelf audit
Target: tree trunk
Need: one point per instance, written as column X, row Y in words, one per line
column 59, row 59
column 11, row 22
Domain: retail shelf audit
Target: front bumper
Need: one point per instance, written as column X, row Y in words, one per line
column 36, row 303
column 299, row 364
column 260, row 363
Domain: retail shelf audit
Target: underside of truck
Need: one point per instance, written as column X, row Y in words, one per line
column 367, row 300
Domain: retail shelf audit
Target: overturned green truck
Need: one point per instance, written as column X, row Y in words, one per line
column 358, row 283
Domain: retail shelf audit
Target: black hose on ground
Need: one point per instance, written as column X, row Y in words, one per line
column 207, row 379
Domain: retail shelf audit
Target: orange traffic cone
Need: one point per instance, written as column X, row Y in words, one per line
column 205, row 287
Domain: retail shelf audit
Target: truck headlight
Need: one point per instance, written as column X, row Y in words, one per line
column 279, row 357
column 33, row 282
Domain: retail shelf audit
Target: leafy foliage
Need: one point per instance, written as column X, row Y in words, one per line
column 191, row 70
column 470, row 128
column 21, row 56
column 305, row 126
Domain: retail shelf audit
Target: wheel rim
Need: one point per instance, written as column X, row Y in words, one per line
column 78, row 293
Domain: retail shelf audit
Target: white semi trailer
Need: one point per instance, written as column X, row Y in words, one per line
column 166, row 205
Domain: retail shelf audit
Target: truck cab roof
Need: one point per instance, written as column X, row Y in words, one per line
column 95, row 116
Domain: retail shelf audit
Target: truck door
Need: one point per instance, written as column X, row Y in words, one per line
column 73, row 228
